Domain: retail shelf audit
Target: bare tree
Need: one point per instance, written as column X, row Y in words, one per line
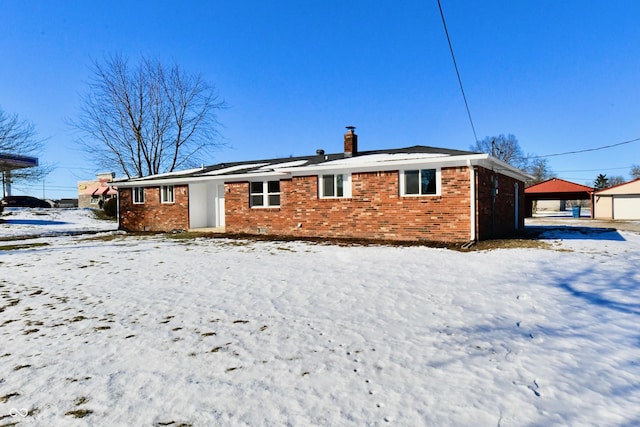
column 635, row 171
column 505, row 148
column 19, row 137
column 615, row 180
column 540, row 170
column 147, row 118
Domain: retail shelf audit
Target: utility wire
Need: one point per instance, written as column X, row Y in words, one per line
column 455, row 65
column 594, row 170
column 586, row 150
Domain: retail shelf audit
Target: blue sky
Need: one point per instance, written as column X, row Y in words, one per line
column 559, row 75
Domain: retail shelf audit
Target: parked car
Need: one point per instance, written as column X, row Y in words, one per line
column 24, row 202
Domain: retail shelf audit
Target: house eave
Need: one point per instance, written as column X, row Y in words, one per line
column 438, row 161
column 201, row 178
column 483, row 160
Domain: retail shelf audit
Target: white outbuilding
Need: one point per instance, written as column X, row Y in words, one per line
column 619, row 202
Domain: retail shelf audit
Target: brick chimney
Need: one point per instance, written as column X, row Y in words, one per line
column 350, row 142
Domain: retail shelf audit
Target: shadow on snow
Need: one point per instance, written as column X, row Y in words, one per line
column 574, row 232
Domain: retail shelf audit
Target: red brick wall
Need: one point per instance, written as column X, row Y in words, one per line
column 153, row 215
column 502, row 221
column 375, row 210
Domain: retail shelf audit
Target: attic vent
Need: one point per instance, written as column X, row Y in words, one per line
column 320, row 152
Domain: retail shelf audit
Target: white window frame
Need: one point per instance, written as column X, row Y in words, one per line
column 403, row 190
column 346, row 186
column 138, row 195
column 167, row 194
column 265, row 194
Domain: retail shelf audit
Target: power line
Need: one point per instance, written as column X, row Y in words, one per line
column 586, row 150
column 594, row 170
column 455, row 65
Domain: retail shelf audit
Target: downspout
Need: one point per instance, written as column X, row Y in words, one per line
column 118, row 207
column 472, row 198
column 517, row 215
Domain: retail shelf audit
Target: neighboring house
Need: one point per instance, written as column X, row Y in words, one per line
column 409, row 194
column 92, row 194
column 619, row 202
column 559, row 191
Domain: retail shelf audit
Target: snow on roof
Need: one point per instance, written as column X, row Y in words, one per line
column 382, row 158
column 291, row 164
column 167, row 174
column 230, row 169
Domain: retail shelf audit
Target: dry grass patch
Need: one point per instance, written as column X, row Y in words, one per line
column 79, row 413
column 6, row 397
column 22, row 246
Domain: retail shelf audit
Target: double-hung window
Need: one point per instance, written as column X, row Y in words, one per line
column 419, row 182
column 138, row 195
column 166, row 194
column 264, row 194
column 334, row 186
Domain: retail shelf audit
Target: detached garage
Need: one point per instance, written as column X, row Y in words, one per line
column 619, row 202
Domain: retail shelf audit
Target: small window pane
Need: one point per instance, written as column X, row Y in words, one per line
column 138, row 195
column 257, row 200
column 256, row 187
column 274, row 200
column 167, row 194
column 274, row 186
column 340, row 185
column 428, row 181
column 412, row 182
column 327, row 186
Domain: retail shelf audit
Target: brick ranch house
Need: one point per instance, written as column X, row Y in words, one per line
column 409, row 194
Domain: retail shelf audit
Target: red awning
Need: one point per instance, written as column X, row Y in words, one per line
column 99, row 189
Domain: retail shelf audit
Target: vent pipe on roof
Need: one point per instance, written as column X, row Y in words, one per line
column 320, row 152
column 350, row 142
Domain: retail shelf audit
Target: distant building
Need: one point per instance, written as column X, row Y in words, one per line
column 10, row 162
column 556, row 194
column 619, row 202
column 92, row 194
column 67, row 203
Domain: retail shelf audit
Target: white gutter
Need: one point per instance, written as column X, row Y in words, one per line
column 472, row 189
column 483, row 160
column 200, row 178
column 376, row 166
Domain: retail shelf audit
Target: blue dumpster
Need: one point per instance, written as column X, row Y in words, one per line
column 576, row 211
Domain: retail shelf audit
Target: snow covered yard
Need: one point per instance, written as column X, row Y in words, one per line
column 111, row 329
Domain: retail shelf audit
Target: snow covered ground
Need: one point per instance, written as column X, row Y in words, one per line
column 119, row 330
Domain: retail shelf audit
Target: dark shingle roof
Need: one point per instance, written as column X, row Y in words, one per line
column 233, row 168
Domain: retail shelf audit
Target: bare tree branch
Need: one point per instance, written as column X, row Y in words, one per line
column 505, row 148
column 19, row 137
column 147, row 119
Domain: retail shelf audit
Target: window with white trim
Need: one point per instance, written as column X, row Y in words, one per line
column 166, row 194
column 264, row 194
column 420, row 182
column 138, row 195
column 333, row 186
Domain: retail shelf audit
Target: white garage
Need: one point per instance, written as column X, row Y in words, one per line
column 619, row 202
